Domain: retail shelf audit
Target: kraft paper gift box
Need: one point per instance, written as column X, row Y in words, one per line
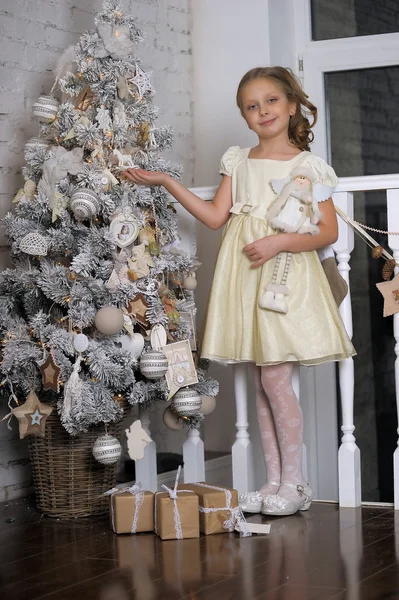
column 176, row 518
column 132, row 510
column 217, row 504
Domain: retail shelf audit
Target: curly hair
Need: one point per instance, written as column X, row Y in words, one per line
column 299, row 129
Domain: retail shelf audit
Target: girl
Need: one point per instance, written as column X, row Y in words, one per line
column 240, row 328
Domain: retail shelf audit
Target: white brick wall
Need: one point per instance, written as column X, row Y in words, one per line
column 33, row 34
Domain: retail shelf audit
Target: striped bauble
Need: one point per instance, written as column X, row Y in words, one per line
column 153, row 364
column 186, row 402
column 45, row 109
column 107, row 449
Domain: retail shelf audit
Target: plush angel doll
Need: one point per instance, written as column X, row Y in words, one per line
column 294, row 211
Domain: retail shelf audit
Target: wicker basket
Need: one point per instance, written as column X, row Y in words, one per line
column 68, row 481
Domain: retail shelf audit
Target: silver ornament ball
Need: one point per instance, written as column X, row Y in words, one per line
column 45, row 109
column 187, row 402
column 171, row 420
column 107, row 449
column 84, row 204
column 153, row 364
column 109, row 320
column 37, row 143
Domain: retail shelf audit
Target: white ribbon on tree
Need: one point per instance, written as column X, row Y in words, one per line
column 136, row 491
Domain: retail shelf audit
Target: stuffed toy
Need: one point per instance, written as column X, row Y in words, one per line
column 295, row 210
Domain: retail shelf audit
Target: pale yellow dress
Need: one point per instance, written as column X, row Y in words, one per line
column 236, row 328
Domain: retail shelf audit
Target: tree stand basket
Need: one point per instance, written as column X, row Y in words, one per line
column 69, row 482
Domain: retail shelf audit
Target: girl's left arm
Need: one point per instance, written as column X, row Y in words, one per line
column 266, row 248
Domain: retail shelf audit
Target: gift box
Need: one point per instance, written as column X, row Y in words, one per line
column 218, row 507
column 176, row 518
column 132, row 510
column 176, row 512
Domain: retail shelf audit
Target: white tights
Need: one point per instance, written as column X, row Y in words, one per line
column 281, row 428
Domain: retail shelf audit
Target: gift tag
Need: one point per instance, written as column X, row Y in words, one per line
column 137, row 440
column 158, row 337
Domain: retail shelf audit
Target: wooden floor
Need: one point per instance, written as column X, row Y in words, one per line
column 349, row 554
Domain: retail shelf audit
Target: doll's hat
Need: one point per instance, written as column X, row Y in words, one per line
column 304, row 171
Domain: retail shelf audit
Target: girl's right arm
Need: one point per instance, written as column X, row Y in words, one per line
column 213, row 214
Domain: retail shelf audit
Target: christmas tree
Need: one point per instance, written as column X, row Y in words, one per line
column 98, row 309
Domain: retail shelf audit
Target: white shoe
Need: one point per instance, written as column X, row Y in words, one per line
column 279, row 506
column 250, row 502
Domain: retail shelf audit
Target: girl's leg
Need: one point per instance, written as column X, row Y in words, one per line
column 268, row 437
column 288, row 420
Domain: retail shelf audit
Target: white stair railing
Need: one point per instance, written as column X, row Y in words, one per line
column 393, row 241
column 146, row 467
column 349, row 459
column 348, row 454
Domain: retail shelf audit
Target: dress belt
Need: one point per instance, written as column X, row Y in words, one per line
column 240, row 208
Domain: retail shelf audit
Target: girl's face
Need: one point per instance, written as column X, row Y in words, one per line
column 266, row 109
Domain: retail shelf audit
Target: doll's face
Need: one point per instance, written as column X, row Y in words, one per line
column 302, row 181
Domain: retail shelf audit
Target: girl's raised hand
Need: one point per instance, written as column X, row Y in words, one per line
column 264, row 249
column 142, row 177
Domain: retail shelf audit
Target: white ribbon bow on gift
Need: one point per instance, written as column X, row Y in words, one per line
column 136, row 491
column 173, row 495
column 236, row 518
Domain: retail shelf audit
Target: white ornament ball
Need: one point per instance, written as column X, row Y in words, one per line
column 45, row 109
column 107, row 449
column 37, row 143
column 34, row 243
column 190, row 283
column 153, row 364
column 109, row 320
column 80, row 342
column 171, row 420
column 187, row 402
column 84, row 204
column 208, row 405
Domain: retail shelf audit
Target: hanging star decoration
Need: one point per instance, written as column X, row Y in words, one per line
column 138, row 307
column 390, row 292
column 32, row 416
column 51, row 373
column 142, row 82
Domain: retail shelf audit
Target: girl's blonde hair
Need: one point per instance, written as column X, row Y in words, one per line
column 299, row 128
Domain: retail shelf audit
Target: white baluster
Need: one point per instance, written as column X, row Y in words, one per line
column 393, row 241
column 193, row 457
column 242, row 454
column 146, row 467
column 350, row 493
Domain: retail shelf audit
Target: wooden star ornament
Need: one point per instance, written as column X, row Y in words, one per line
column 138, row 307
column 32, row 416
column 390, row 292
column 51, row 373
